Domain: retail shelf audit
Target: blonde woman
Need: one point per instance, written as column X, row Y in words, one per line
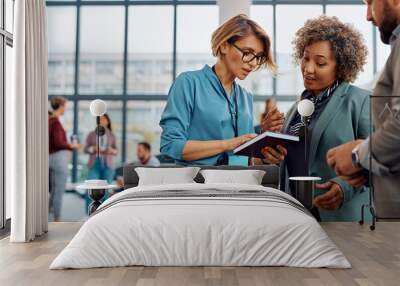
column 208, row 114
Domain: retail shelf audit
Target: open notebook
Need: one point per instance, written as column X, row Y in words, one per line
column 253, row 147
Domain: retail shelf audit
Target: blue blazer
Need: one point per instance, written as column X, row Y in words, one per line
column 345, row 118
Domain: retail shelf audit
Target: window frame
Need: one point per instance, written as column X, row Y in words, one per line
column 6, row 39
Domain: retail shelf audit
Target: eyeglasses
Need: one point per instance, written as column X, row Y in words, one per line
column 248, row 57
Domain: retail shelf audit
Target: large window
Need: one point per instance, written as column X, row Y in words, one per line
column 150, row 53
column 194, row 36
column 143, row 118
column 101, row 50
column 129, row 52
column 6, row 42
column 289, row 80
column 8, row 82
column 9, row 15
column 355, row 15
column 61, row 35
column 261, row 81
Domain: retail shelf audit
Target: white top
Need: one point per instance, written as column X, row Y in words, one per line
column 93, row 187
column 305, row 178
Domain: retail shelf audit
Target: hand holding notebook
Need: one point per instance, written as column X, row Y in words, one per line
column 253, row 147
column 274, row 155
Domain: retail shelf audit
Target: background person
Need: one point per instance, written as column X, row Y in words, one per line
column 102, row 167
column 143, row 153
column 59, row 155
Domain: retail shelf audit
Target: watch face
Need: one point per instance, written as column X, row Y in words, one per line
column 354, row 159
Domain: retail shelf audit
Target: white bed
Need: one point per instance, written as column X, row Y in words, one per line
column 225, row 225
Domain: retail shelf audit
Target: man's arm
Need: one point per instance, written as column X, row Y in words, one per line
column 340, row 159
column 385, row 141
column 374, row 166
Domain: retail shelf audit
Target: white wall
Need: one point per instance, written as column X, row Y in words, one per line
column 230, row 8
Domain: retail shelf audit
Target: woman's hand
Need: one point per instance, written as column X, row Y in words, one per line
column 274, row 156
column 75, row 146
column 332, row 199
column 231, row 144
column 273, row 120
column 110, row 151
column 93, row 149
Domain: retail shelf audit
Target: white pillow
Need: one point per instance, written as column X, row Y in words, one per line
column 248, row 177
column 166, row 176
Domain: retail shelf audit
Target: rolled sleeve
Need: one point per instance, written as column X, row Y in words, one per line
column 348, row 191
column 172, row 142
column 175, row 120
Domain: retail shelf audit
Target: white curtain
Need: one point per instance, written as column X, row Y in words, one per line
column 27, row 123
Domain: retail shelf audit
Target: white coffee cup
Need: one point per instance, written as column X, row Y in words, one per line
column 96, row 183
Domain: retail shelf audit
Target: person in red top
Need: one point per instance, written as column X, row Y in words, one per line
column 59, row 150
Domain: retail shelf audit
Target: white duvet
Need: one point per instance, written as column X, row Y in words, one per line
column 203, row 231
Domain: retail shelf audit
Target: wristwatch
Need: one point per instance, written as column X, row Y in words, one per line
column 355, row 158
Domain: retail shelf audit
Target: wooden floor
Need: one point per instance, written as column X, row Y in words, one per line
column 375, row 256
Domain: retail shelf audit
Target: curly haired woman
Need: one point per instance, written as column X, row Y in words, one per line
column 331, row 54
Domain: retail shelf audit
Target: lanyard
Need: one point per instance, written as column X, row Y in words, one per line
column 234, row 117
column 234, row 114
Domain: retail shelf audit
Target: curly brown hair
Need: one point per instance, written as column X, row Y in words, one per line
column 346, row 42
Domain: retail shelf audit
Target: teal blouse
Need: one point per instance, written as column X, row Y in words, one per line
column 198, row 108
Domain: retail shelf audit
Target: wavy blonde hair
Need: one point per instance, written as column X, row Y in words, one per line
column 239, row 27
